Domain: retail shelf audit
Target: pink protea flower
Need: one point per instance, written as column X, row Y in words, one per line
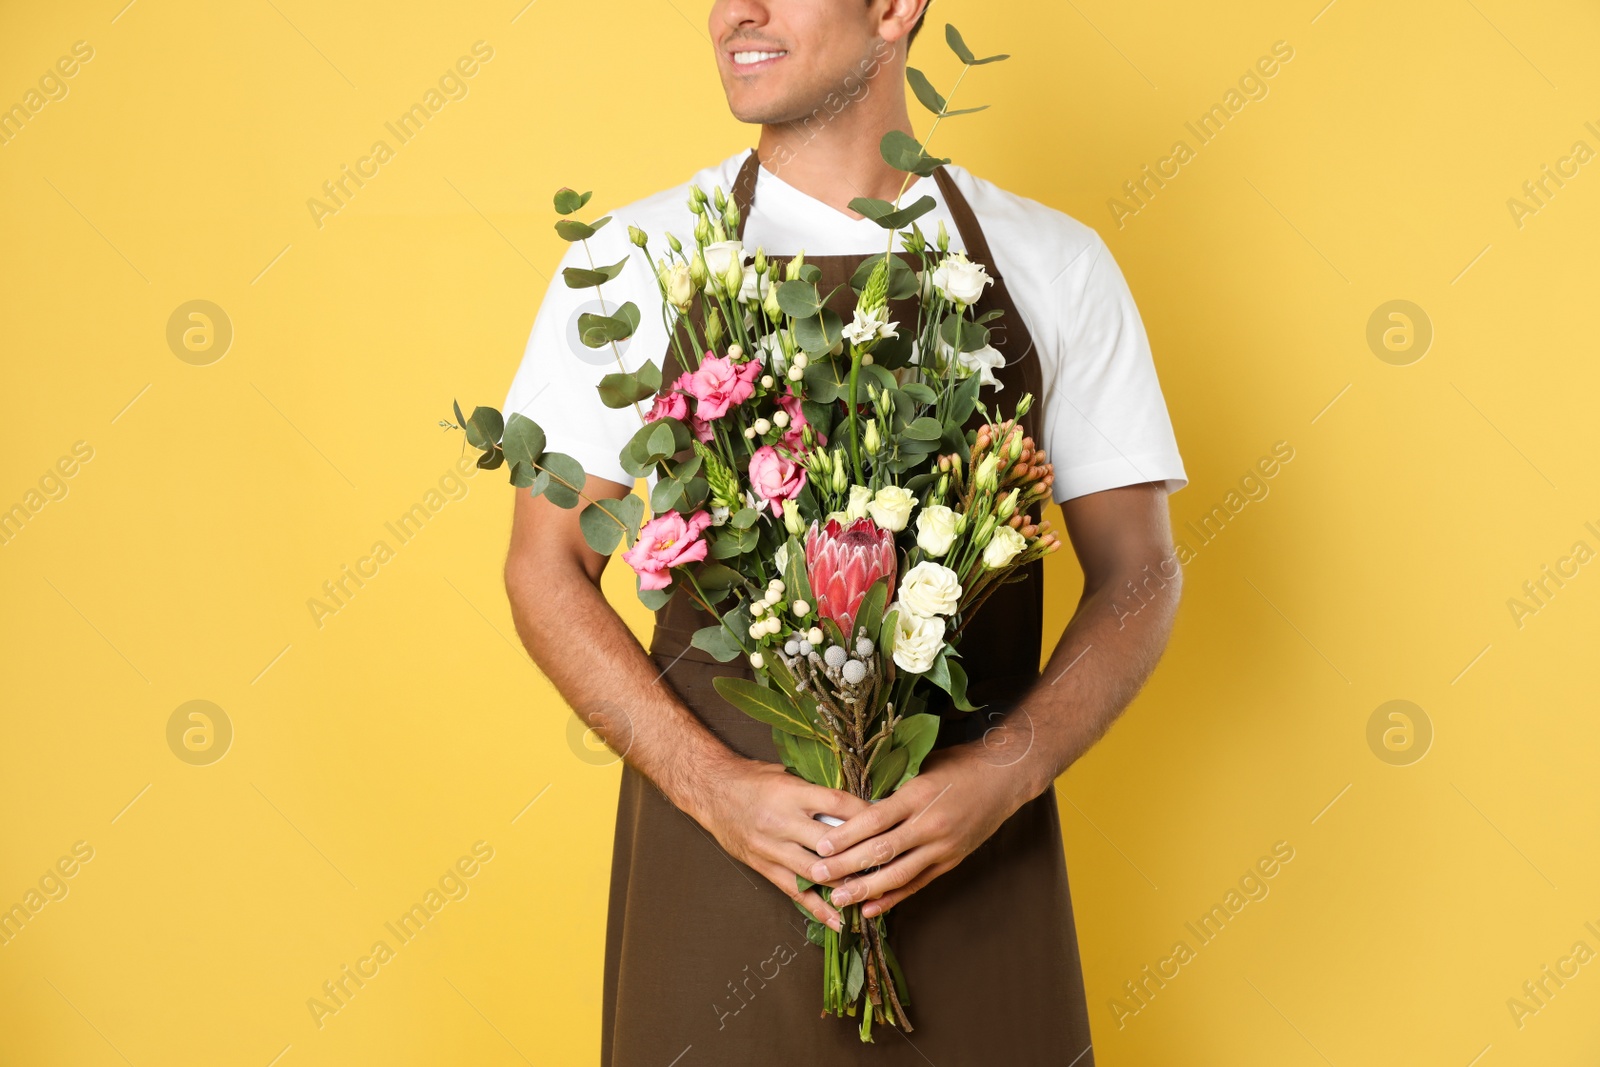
column 775, row 477
column 667, row 541
column 720, row 384
column 792, row 438
column 842, row 562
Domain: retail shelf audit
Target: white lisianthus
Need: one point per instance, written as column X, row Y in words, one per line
column 960, row 279
column 931, row 588
column 985, row 360
column 679, row 285
column 936, row 529
column 750, row 287
column 722, row 254
column 1005, row 544
column 869, row 326
column 781, row 557
column 918, row 639
column 891, row 507
column 860, row 497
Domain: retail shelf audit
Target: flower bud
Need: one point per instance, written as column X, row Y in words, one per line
column 944, row 237
column 1008, row 505
column 1024, row 404
column 986, row 475
column 714, row 327
column 870, row 439
column 761, row 260
column 734, row 278
column 770, row 305
column 840, row 479
column 637, row 236
column 791, row 518
column 791, row 270
column 730, row 218
column 702, row 231
column 720, row 200
column 697, row 271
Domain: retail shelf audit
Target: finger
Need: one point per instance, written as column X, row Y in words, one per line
column 810, row 899
column 820, row 800
column 874, row 820
column 882, row 904
column 873, row 852
column 859, row 888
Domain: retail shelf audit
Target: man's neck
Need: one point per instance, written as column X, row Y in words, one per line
column 836, row 159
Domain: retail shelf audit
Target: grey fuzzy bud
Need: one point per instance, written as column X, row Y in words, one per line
column 854, row 672
column 864, row 647
column 805, row 647
column 792, row 647
column 835, row 656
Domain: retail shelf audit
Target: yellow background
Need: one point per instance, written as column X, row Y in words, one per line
column 371, row 752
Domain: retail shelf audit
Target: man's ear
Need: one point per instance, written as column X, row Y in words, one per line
column 900, row 18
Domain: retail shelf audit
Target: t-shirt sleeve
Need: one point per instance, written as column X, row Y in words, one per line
column 556, row 383
column 1105, row 419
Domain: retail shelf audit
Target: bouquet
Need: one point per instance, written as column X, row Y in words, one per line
column 817, row 492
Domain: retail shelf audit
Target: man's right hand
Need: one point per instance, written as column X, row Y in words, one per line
column 762, row 815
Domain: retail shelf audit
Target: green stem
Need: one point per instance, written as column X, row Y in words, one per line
column 855, row 438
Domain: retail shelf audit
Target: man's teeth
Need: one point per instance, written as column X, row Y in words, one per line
column 746, row 58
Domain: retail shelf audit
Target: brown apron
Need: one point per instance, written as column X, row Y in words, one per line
column 707, row 962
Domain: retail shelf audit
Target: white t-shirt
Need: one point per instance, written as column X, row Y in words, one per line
column 1104, row 420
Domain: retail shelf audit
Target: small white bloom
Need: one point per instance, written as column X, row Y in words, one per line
column 891, row 507
column 1005, row 544
column 720, row 514
column 957, row 277
column 936, row 529
column 931, row 588
column 868, row 326
column 679, row 286
column 918, row 639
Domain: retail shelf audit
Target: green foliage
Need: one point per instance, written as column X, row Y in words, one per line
column 604, row 522
column 885, row 214
column 619, row 390
column 567, row 201
column 959, row 47
column 904, row 152
column 597, row 331
column 765, row 704
column 585, row 278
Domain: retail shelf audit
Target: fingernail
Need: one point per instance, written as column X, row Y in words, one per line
column 819, row 872
column 824, row 847
column 869, row 910
column 837, row 926
column 841, row 896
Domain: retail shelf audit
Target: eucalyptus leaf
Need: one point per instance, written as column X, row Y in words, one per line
column 585, row 278
column 566, row 478
column 959, row 47
column 884, row 213
column 718, row 642
column 924, row 428
column 904, row 152
column 605, row 522
column 798, row 299
column 818, row 334
column 523, row 440
column 485, row 427
column 568, row 200
column 925, row 91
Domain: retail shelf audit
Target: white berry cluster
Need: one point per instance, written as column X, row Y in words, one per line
column 768, row 613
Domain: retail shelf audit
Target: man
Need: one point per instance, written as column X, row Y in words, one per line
column 969, row 852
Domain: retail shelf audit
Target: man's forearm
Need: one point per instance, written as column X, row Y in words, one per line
column 589, row 654
column 1108, row 650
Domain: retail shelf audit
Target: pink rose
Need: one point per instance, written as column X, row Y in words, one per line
column 792, row 439
column 669, row 406
column 775, row 477
column 667, row 541
column 720, row 384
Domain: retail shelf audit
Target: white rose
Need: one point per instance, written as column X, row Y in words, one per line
column 860, row 497
column 1005, row 543
column 918, row 639
column 891, row 507
column 931, row 588
column 936, row 529
column 960, row 279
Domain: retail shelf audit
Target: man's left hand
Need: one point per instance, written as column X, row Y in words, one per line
column 920, row 831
